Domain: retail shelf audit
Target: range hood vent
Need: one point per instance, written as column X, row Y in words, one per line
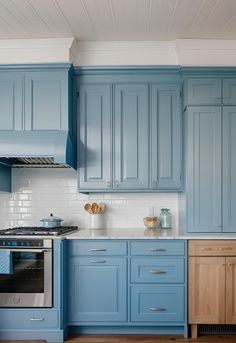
column 37, row 149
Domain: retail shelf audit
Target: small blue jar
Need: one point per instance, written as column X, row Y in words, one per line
column 165, row 218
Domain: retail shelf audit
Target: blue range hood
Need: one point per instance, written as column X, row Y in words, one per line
column 37, row 149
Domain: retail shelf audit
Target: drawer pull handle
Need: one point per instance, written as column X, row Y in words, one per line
column 35, row 319
column 98, row 249
column 98, row 261
column 157, row 272
column 206, row 249
column 227, row 248
column 157, row 249
column 157, row 309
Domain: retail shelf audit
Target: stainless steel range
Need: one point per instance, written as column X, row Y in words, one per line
column 29, row 283
column 26, row 265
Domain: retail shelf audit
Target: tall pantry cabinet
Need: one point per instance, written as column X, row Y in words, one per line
column 210, row 114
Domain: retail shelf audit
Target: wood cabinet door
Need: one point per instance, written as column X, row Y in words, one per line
column 95, row 137
column 206, row 290
column 165, row 137
column 229, row 170
column 131, row 136
column 230, row 290
column 203, row 175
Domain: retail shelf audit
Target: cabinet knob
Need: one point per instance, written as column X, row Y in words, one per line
column 117, row 183
column 108, row 184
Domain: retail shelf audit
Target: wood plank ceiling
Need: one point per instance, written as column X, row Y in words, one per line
column 118, row 19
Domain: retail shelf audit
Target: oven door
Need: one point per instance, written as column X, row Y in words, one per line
column 30, row 284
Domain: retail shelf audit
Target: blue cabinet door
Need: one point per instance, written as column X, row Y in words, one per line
column 229, row 91
column 95, row 137
column 203, row 91
column 203, row 175
column 131, row 134
column 165, row 137
column 5, row 178
column 11, row 100
column 229, row 170
column 97, row 289
column 46, row 100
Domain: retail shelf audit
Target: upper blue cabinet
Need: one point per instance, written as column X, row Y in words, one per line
column 11, row 99
column 35, row 98
column 130, row 132
column 166, row 140
column 203, row 91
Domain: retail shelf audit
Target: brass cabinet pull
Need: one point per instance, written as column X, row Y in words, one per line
column 206, row 249
column 225, row 248
column 157, row 272
column 157, row 309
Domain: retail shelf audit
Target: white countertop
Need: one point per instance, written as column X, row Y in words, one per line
column 142, row 233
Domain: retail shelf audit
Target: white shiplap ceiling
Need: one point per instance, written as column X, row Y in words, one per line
column 118, row 19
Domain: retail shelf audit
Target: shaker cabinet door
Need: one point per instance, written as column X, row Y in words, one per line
column 203, row 174
column 165, row 137
column 229, row 170
column 203, row 91
column 46, row 100
column 97, row 289
column 11, row 100
column 131, row 135
column 95, row 137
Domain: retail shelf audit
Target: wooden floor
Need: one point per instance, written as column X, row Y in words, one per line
column 140, row 339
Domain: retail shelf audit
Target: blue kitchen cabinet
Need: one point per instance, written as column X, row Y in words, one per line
column 36, row 97
column 229, row 169
column 119, row 286
column 46, row 100
column 97, row 282
column 95, row 146
column 203, row 91
column 11, row 100
column 203, row 174
column 166, row 137
column 229, row 91
column 131, row 131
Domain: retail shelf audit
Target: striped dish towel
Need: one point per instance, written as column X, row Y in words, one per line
column 6, row 263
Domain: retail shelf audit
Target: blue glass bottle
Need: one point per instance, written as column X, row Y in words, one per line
column 165, row 218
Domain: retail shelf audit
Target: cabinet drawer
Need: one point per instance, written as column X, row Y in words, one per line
column 97, row 247
column 212, row 248
column 157, row 248
column 163, row 303
column 157, row 270
column 28, row 319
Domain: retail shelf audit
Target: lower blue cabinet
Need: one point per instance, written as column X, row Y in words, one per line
column 97, row 288
column 127, row 286
column 157, row 303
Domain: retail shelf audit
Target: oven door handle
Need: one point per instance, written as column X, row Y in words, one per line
column 28, row 250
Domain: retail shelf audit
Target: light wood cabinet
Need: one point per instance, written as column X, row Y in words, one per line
column 212, row 283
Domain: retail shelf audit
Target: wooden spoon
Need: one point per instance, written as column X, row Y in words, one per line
column 87, row 208
column 101, row 207
column 94, row 208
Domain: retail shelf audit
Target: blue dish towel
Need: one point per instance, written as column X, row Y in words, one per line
column 6, row 262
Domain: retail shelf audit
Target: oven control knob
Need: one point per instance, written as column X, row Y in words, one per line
column 15, row 300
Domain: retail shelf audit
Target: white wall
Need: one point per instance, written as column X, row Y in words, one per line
column 37, row 192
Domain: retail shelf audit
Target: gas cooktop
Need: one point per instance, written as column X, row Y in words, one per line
column 37, row 231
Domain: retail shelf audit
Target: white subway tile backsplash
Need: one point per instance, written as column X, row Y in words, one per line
column 37, row 192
